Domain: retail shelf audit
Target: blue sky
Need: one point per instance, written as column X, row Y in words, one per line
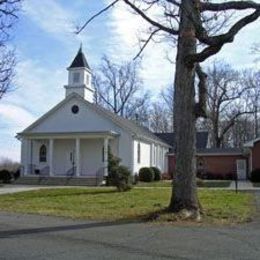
column 45, row 46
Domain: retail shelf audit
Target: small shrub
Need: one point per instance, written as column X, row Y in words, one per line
column 135, row 179
column 6, row 176
column 121, row 178
column 146, row 174
column 118, row 175
column 255, row 175
column 17, row 174
column 157, row 173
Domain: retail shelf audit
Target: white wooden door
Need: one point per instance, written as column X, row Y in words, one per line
column 241, row 169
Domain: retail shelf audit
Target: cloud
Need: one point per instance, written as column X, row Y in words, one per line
column 15, row 116
column 37, row 90
column 54, row 19
column 126, row 28
column 37, row 87
column 12, row 120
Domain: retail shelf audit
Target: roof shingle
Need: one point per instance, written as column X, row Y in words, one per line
column 80, row 60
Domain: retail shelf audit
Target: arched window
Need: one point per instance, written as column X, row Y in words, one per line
column 43, row 153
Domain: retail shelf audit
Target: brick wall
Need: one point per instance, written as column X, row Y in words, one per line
column 215, row 164
column 219, row 164
column 256, row 156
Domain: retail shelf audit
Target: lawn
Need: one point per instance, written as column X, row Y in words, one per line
column 107, row 204
column 200, row 183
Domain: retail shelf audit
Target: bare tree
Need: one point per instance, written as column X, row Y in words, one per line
column 167, row 95
column 242, row 131
column 188, row 20
column 8, row 164
column 119, row 88
column 8, row 16
column 160, row 120
column 251, row 79
column 161, row 111
column 226, row 99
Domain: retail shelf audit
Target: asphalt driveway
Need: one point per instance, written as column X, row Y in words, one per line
column 40, row 237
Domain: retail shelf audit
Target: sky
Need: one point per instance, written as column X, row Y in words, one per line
column 46, row 44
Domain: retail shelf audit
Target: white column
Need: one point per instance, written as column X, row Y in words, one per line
column 106, row 157
column 78, row 157
column 25, row 155
column 151, row 154
column 51, row 141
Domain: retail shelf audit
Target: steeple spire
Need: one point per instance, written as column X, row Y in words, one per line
column 80, row 60
column 79, row 80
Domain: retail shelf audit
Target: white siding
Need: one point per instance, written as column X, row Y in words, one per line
column 145, row 155
column 86, row 120
column 91, row 156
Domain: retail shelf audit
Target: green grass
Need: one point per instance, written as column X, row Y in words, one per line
column 213, row 183
column 107, row 204
column 200, row 183
column 155, row 184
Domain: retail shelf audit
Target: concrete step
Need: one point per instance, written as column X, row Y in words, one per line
column 63, row 181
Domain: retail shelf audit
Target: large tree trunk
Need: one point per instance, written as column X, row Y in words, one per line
column 184, row 193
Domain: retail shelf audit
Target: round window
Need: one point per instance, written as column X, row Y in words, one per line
column 75, row 109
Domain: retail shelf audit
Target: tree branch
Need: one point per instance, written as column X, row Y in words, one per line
column 149, row 20
column 146, row 43
column 228, row 37
column 96, row 15
column 235, row 5
column 201, row 107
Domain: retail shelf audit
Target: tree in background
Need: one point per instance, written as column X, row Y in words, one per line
column 119, row 88
column 189, row 21
column 161, row 111
column 251, row 79
column 225, row 100
column 8, row 16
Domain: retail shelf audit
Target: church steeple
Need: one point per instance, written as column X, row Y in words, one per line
column 79, row 79
column 80, row 60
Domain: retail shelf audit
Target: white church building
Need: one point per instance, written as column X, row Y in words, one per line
column 73, row 138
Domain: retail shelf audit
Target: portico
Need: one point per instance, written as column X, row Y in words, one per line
column 68, row 154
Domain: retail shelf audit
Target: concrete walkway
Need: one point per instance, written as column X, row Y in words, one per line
column 12, row 188
column 244, row 186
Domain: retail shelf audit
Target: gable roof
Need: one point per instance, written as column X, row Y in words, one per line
column 251, row 143
column 131, row 126
column 80, row 60
column 220, row 151
column 134, row 128
column 201, row 139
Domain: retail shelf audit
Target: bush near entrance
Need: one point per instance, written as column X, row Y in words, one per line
column 157, row 173
column 255, row 175
column 146, row 174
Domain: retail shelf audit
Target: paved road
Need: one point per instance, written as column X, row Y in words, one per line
column 39, row 237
